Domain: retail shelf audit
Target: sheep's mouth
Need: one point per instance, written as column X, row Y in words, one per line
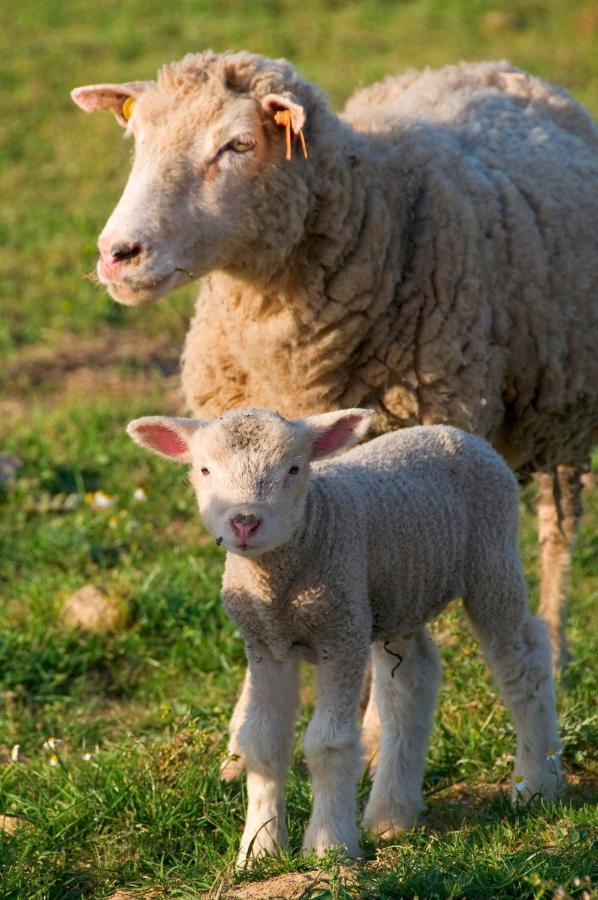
column 138, row 291
column 246, row 549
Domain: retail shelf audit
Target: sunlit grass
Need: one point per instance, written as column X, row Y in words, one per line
column 134, row 799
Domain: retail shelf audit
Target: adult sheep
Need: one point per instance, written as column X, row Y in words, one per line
column 433, row 258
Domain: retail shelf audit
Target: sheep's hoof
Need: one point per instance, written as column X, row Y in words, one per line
column 232, row 766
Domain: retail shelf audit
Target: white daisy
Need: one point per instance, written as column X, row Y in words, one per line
column 100, row 500
column 520, row 783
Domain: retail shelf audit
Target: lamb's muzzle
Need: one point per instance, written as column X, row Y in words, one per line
column 244, row 526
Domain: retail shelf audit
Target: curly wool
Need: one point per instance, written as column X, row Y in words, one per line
column 437, row 264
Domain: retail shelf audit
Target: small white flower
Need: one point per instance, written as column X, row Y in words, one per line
column 100, row 500
column 54, row 761
column 15, row 753
column 140, row 495
column 553, row 755
column 520, row 783
column 88, row 757
column 52, row 743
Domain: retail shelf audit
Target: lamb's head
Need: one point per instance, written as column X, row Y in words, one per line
column 210, row 186
column 250, row 468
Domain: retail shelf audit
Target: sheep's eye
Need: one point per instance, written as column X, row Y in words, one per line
column 240, row 145
column 293, row 470
column 204, row 471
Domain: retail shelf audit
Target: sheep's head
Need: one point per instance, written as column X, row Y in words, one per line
column 210, row 186
column 250, row 468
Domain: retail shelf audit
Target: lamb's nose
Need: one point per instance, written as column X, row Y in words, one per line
column 243, row 526
column 123, row 251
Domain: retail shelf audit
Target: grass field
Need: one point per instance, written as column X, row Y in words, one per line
column 150, row 701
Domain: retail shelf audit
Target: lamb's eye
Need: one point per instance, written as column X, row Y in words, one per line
column 293, row 470
column 204, row 471
column 241, row 145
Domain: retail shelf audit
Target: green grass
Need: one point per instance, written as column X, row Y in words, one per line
column 151, row 701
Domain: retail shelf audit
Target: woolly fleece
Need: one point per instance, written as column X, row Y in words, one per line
column 437, row 264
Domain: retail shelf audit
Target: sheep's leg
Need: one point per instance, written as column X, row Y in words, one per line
column 234, row 763
column 559, row 512
column 265, row 738
column 370, row 725
column 517, row 651
column 406, row 680
column 334, row 755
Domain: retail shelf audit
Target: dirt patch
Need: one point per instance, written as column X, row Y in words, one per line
column 113, row 363
column 91, row 609
column 470, row 803
column 290, row 886
column 38, row 365
column 10, row 824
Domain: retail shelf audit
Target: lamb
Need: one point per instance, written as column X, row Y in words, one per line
column 433, row 258
column 327, row 557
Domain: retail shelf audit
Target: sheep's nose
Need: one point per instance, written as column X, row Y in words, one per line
column 123, row 251
column 243, row 526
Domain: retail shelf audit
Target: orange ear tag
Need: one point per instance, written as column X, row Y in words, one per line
column 127, row 108
column 283, row 117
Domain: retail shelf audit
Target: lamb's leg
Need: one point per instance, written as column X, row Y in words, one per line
column 334, row 755
column 559, row 512
column 517, row 650
column 406, row 679
column 234, row 763
column 265, row 738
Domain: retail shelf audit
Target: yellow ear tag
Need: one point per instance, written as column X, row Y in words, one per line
column 127, row 108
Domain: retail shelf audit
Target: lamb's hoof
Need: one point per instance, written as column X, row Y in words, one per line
column 388, row 826
column 246, row 860
column 388, row 831
column 320, row 844
column 248, row 856
column 232, row 766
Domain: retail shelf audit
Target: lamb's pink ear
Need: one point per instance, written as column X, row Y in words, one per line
column 275, row 103
column 115, row 97
column 336, row 431
column 165, row 435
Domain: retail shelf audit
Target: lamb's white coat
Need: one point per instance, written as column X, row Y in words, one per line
column 373, row 546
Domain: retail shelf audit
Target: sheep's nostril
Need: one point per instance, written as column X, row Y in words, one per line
column 121, row 252
column 244, row 526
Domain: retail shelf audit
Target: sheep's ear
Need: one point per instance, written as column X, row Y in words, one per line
column 119, row 98
column 336, row 431
column 165, row 435
column 278, row 103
